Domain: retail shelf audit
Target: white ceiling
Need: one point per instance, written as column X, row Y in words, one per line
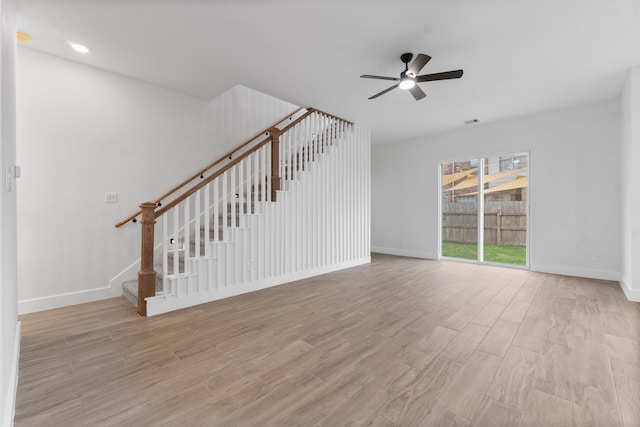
column 518, row 57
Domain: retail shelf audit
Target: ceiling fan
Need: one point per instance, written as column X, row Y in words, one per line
column 408, row 78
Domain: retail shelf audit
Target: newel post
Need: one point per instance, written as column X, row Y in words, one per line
column 146, row 275
column 275, row 161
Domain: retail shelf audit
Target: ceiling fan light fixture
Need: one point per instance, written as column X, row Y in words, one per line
column 407, row 83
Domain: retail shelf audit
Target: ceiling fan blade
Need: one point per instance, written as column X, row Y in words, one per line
column 418, row 63
column 417, row 93
column 440, row 76
column 383, row 92
column 367, row 76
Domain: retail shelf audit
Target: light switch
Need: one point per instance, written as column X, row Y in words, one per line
column 111, row 197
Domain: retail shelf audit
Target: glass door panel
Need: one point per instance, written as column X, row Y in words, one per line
column 459, row 209
column 505, row 186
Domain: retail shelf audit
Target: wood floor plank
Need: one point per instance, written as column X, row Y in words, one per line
column 588, row 323
column 511, row 384
column 561, row 321
column 594, row 394
column 398, row 342
column 489, row 314
column 442, row 417
column 543, row 300
column 420, row 395
column 555, row 371
column 497, row 414
column 528, row 291
column 464, row 344
column 459, row 319
column 273, row 403
column 624, row 354
column 422, row 350
column 508, row 292
column 616, row 323
column 515, row 311
column 465, row 394
column 368, row 403
column 499, row 337
column 628, row 390
column 530, row 335
column 483, row 297
column 544, row 410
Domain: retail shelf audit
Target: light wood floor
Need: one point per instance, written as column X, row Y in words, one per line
column 400, row 342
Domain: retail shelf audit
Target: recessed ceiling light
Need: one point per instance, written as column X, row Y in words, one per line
column 23, row 37
column 79, row 47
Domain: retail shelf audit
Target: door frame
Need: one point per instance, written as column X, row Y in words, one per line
column 480, row 216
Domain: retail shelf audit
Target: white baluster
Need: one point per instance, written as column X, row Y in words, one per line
column 206, row 219
column 197, row 214
column 232, row 196
column 216, row 210
column 176, row 239
column 165, row 252
column 225, row 220
column 186, row 229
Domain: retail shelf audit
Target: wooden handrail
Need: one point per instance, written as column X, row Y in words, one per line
column 212, row 165
column 210, row 178
column 315, row 110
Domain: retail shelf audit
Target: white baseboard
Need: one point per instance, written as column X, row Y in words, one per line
column 404, row 252
column 165, row 303
column 12, row 383
column 564, row 270
column 70, row 298
column 631, row 294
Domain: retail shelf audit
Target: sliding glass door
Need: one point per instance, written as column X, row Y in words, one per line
column 485, row 200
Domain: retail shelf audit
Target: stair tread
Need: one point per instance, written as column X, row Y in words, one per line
column 130, row 288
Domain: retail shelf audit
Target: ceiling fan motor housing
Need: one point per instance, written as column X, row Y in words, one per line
column 406, row 58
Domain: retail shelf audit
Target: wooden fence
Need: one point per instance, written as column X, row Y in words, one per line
column 505, row 223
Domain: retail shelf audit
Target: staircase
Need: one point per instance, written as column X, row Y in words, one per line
column 289, row 204
column 130, row 287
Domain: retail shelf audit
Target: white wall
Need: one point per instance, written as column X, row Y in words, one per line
column 574, row 187
column 9, row 326
column 630, row 177
column 240, row 113
column 83, row 132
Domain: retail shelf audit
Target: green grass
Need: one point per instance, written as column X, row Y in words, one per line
column 492, row 253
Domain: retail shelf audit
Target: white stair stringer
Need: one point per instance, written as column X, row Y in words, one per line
column 319, row 224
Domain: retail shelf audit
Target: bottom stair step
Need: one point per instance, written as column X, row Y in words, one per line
column 130, row 289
